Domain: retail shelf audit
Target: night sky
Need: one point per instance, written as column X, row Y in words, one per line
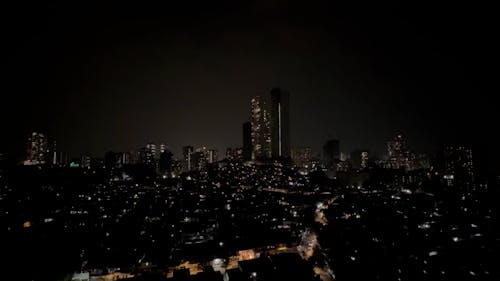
column 99, row 79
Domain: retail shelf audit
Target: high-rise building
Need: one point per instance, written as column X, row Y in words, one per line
column 260, row 133
column 150, row 154
column 135, row 156
column 359, row 159
column 53, row 154
column 187, row 154
column 199, row 158
column 166, row 162
column 458, row 166
column 86, row 162
column 126, row 158
column 344, row 156
column 302, row 157
column 398, row 155
column 280, row 123
column 176, row 169
column 364, row 159
column 247, row 141
column 37, row 149
column 331, row 154
column 163, row 147
column 211, row 156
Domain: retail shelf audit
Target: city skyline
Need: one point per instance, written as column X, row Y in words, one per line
column 265, row 135
column 264, row 103
column 42, row 150
column 39, row 143
column 185, row 77
column 249, row 140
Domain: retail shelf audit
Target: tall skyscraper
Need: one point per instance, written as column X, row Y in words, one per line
column 280, row 123
column 260, row 133
column 135, row 156
column 53, row 154
column 165, row 162
column 187, row 154
column 331, row 153
column 211, row 156
column 176, row 168
column 247, row 141
column 199, row 158
column 125, row 158
column 398, row 155
column 150, row 154
column 458, row 166
column 364, row 159
column 37, row 149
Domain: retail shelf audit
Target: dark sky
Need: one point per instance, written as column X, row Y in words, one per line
column 99, row 79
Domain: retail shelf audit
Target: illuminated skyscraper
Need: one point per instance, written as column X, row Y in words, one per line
column 53, row 154
column 200, row 158
column 37, row 149
column 187, row 154
column 364, row 159
column 260, row 133
column 211, row 156
column 176, row 169
column 458, row 164
column 280, row 123
column 398, row 155
column 86, row 161
column 150, row 154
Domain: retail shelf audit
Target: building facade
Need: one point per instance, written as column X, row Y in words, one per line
column 37, row 150
column 280, row 123
column 260, row 131
column 331, row 154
